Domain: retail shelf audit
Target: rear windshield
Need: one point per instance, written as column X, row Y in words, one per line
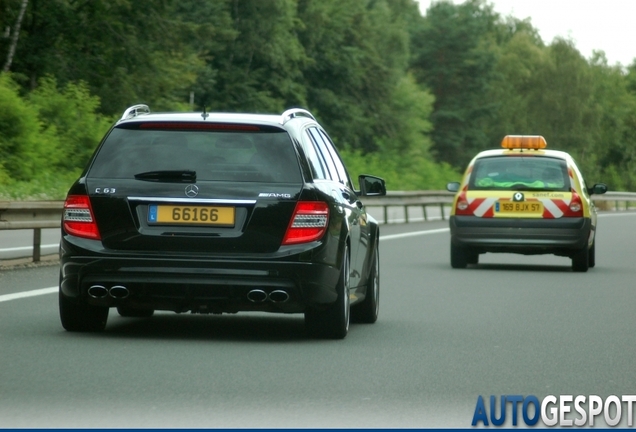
column 520, row 173
column 263, row 156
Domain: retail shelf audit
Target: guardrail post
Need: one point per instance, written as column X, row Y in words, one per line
column 406, row 214
column 37, row 241
column 441, row 208
column 386, row 214
column 424, row 211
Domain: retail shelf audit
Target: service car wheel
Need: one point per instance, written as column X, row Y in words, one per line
column 77, row 316
column 333, row 322
column 134, row 313
column 592, row 256
column 459, row 256
column 472, row 257
column 367, row 311
column 581, row 260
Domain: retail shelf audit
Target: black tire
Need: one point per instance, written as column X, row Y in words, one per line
column 77, row 316
column 134, row 313
column 581, row 260
column 458, row 256
column 332, row 322
column 472, row 257
column 591, row 260
column 367, row 311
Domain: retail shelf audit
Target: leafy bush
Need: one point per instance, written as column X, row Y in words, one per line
column 46, row 138
column 46, row 186
column 399, row 171
column 20, row 144
column 70, row 128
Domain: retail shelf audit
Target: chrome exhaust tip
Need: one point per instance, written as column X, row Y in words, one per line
column 97, row 291
column 278, row 296
column 118, row 292
column 257, row 296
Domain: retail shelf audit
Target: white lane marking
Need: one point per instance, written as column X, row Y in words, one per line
column 413, row 234
column 37, row 292
column 21, row 248
column 616, row 214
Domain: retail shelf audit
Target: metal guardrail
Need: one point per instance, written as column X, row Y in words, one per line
column 405, row 200
column 34, row 215
column 608, row 201
column 37, row 215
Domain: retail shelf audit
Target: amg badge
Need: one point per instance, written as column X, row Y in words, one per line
column 274, row 195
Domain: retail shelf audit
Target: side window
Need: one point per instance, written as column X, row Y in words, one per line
column 577, row 171
column 342, row 171
column 317, row 164
column 322, row 150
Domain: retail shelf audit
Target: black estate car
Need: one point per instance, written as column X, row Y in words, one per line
column 219, row 213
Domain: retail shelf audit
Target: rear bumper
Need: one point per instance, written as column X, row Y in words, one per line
column 561, row 236
column 287, row 283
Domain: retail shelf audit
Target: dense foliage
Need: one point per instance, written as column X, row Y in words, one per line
column 408, row 97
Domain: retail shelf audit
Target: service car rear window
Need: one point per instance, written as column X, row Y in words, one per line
column 213, row 155
column 520, row 173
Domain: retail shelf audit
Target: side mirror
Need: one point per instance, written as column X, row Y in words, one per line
column 598, row 189
column 371, row 185
column 453, row 186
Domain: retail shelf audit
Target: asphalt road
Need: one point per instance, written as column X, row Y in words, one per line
column 19, row 243
column 511, row 325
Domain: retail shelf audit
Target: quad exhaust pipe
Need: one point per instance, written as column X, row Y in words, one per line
column 259, row 296
column 278, row 296
column 116, row 292
column 121, row 292
column 98, row 291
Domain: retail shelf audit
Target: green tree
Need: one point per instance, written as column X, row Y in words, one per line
column 254, row 64
column 580, row 106
column 616, row 142
column 454, row 54
column 70, row 121
column 125, row 53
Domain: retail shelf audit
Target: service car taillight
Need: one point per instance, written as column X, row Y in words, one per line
column 462, row 206
column 78, row 217
column 308, row 223
column 576, row 206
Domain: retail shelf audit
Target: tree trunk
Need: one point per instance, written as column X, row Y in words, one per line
column 14, row 39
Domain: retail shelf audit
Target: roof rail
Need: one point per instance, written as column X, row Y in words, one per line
column 295, row 112
column 135, row 110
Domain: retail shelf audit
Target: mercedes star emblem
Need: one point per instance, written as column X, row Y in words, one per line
column 191, row 190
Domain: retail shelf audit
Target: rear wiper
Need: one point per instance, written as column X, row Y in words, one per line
column 185, row 176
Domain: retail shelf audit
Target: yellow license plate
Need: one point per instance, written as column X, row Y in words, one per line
column 191, row 215
column 518, row 207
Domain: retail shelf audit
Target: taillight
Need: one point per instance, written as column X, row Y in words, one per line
column 308, row 223
column 461, row 208
column 575, row 207
column 78, row 217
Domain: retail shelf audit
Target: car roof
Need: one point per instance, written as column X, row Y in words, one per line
column 198, row 117
column 517, row 152
column 141, row 113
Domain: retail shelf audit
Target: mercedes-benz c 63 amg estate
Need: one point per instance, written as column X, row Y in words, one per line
column 219, row 213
